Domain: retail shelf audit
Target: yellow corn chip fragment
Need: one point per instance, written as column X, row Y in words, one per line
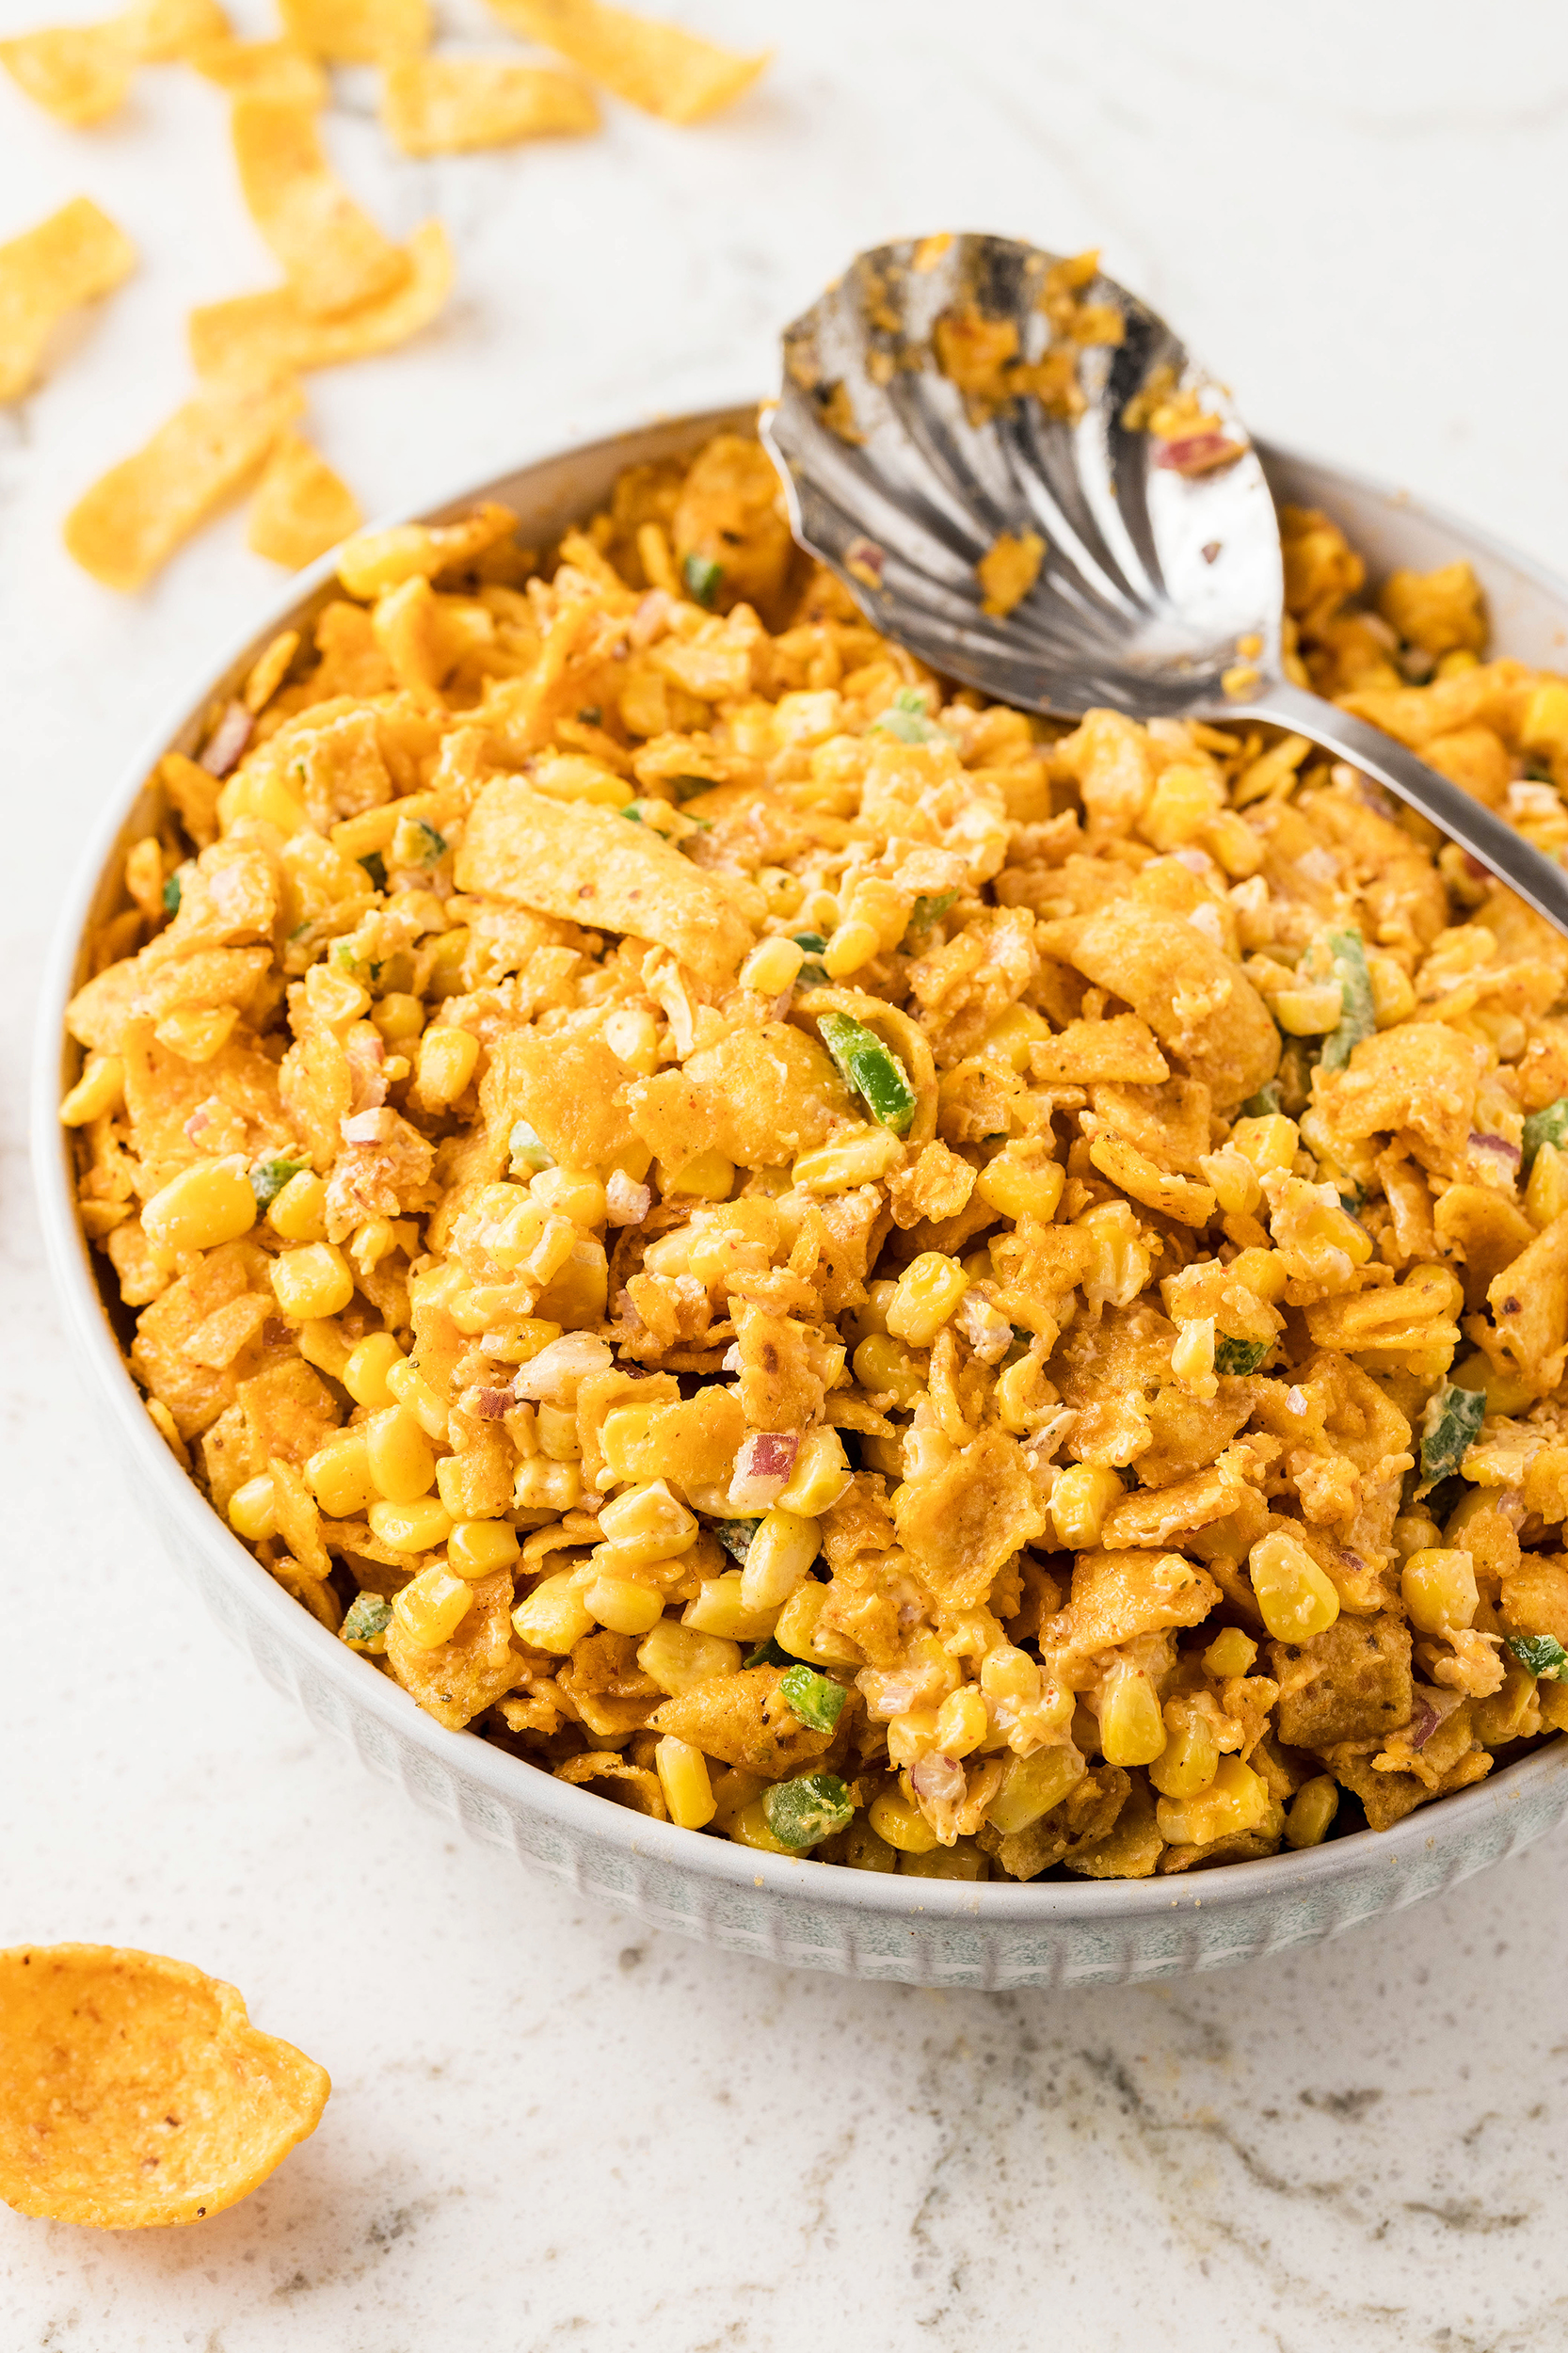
column 135, row 515
column 301, row 509
column 256, row 337
column 334, row 255
column 80, row 73
column 358, row 32
column 156, row 31
column 70, row 258
column 262, row 69
column 440, row 106
column 656, row 67
column 1008, row 570
column 134, row 2090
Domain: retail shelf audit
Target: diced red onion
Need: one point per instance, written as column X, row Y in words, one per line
column 864, row 555
column 651, row 617
column 890, row 1691
column 1421, row 1725
column 1499, row 1145
column 939, row 1779
column 763, row 1469
column 1198, row 453
column 369, row 1127
column 551, row 1377
column 493, row 1404
column 366, row 1054
column 228, row 740
column 627, row 1203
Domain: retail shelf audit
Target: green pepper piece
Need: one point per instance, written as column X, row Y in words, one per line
column 703, row 579
column 590, row 716
column 872, row 1068
column 687, row 787
column 1540, row 1654
column 735, row 1536
column 1238, row 1356
column 925, row 911
column 1544, row 1127
column 375, row 867
column 270, row 1173
column 526, row 1149
column 1357, row 1018
column 813, row 942
column 433, row 848
column 171, row 894
column 1264, row 1104
column 768, row 1654
column 368, row 1616
column 799, row 1813
column 1452, row 1423
column 817, row 1700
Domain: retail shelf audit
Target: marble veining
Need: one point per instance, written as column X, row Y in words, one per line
column 552, row 2127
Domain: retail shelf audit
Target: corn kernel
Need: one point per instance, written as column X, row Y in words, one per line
column 364, row 1374
column 851, row 945
column 649, row 1523
column 1310, row 1012
column 418, row 1525
column 1191, row 1758
column 1193, row 1359
column 1235, row 1182
column 963, row 1721
column 554, row 1617
column 570, row 1192
column 446, row 1061
column 912, row 1736
column 1269, row 1141
column 962, row 1859
column 882, row 1366
column 1544, row 724
column 1392, row 996
column 750, row 1827
column 1132, row 1730
column 207, row 1203
column 1310, row 1816
column 1546, row 1187
column 398, row 1016
column 682, row 1772
column 543, row 1485
column 1032, row 1786
column 1082, row 1496
column 262, row 794
column 322, row 1344
column 773, row 966
column 820, row 1477
column 298, row 1213
column 196, row 1035
column 679, row 1658
column 1230, row 1653
column 1181, row 805
column 1295, row 1597
column 1439, row 1590
column 558, row 1438
column 1012, row 1037
column 252, row 1509
column 779, row 1559
column 432, row 1607
column 1235, row 1800
column 398, row 1454
column 707, row 1176
column 407, row 1386
column 623, row 1604
column 479, row 1547
column 926, row 1294
column 1010, row 1676
column 1019, row 1188
column 721, row 1609
column 1263, row 1271
column 311, row 1282
column 855, row 1159
column 800, row 1632
column 100, row 1089
column 901, row 1823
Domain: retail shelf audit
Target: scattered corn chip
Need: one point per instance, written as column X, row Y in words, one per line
column 1008, row 570
column 135, row 515
column 301, row 509
column 133, row 2090
column 440, row 106
column 358, row 32
column 334, row 255
column 80, row 73
column 271, row 668
column 262, row 69
column 656, row 67
column 259, row 336
column 70, row 258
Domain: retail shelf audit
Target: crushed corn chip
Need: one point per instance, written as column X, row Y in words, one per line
column 301, row 509
column 1008, row 570
column 333, row 254
column 264, row 335
column 442, row 106
column 358, row 32
column 262, row 69
column 72, row 257
column 80, row 73
column 657, row 67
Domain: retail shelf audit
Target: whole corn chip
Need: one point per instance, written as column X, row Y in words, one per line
column 656, row 67
column 70, row 258
column 135, row 515
column 358, row 32
column 301, row 509
column 80, row 73
column 440, row 106
column 260, row 336
column 262, row 69
column 133, row 2090
column 334, row 255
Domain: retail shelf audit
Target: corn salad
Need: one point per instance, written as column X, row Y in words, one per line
column 858, row 1271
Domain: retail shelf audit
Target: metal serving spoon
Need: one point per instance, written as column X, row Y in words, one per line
column 905, row 456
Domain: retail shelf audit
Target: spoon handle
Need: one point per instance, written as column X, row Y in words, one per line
column 1538, row 880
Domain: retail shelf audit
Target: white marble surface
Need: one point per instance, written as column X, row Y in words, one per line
column 550, row 2127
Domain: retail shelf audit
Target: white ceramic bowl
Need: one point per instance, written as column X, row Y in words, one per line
column 863, row 1924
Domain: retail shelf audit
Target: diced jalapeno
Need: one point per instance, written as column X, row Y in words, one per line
column 735, row 1536
column 1238, row 1356
column 591, row 716
column 432, row 845
column 925, row 911
column 800, row 1812
column 813, row 942
column 872, row 1068
column 375, row 867
column 1544, row 1127
column 687, row 787
column 368, row 1617
column 1264, row 1104
column 1358, row 1017
column 270, row 1173
column 526, row 1149
column 907, row 718
column 768, row 1654
column 703, row 579
column 1540, row 1654
column 817, row 1700
column 344, row 955
column 171, row 894
column 1453, row 1421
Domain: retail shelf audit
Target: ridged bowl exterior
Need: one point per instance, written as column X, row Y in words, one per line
column 778, row 1908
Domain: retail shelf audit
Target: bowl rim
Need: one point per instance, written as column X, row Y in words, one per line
column 579, row 1815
